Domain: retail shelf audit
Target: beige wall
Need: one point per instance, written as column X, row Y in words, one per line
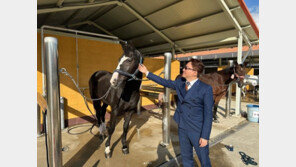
column 156, row 66
column 92, row 56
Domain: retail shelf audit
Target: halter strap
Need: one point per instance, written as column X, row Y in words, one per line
column 131, row 76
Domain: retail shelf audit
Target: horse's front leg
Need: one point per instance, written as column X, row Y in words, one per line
column 110, row 128
column 102, row 127
column 127, row 118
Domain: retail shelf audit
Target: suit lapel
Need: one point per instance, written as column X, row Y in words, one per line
column 192, row 89
column 183, row 90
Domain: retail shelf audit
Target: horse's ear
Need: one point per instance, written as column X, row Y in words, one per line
column 124, row 45
column 131, row 45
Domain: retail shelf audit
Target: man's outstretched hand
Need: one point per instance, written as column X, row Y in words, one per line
column 142, row 68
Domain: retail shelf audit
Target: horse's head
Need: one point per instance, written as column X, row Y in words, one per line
column 239, row 73
column 128, row 64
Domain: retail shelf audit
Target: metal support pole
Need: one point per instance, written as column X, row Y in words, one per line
column 239, row 61
column 139, row 106
column 166, row 105
column 53, row 101
column 228, row 100
column 38, row 121
column 43, row 64
column 174, row 53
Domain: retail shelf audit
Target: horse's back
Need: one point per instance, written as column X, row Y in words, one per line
column 98, row 76
column 214, row 79
column 209, row 79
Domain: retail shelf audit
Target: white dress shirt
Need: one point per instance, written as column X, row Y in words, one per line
column 191, row 83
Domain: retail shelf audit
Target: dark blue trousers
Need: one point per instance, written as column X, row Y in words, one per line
column 188, row 140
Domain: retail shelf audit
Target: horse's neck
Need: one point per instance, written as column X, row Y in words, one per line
column 225, row 75
column 134, row 84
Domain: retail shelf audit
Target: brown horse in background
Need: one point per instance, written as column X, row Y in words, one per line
column 220, row 81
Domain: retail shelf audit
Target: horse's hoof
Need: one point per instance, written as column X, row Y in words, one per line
column 125, row 151
column 216, row 121
column 108, row 155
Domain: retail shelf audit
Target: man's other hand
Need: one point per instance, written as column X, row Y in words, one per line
column 203, row 142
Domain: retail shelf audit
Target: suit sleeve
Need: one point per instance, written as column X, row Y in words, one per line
column 161, row 81
column 208, row 113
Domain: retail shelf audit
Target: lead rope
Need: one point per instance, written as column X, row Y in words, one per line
column 64, row 71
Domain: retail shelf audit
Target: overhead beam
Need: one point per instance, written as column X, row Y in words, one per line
column 248, row 26
column 235, row 8
column 93, row 24
column 91, row 16
column 149, row 25
column 72, row 17
column 77, row 24
column 77, row 6
column 101, row 28
column 233, row 20
column 60, row 3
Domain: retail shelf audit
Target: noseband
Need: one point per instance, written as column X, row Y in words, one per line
column 131, row 76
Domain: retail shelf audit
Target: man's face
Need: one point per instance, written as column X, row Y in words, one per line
column 188, row 71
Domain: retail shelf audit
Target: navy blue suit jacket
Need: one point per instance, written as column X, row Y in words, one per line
column 194, row 107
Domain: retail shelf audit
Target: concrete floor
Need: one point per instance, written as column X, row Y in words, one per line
column 245, row 140
column 144, row 136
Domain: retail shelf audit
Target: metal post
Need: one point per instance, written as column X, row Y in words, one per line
column 228, row 100
column 166, row 105
column 43, row 64
column 139, row 106
column 62, row 110
column 38, row 121
column 53, row 101
column 174, row 53
column 239, row 61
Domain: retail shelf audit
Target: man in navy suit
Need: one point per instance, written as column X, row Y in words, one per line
column 194, row 111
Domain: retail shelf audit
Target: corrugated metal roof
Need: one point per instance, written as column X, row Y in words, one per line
column 154, row 26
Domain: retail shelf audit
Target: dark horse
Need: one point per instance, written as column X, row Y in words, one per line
column 123, row 85
column 220, row 81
